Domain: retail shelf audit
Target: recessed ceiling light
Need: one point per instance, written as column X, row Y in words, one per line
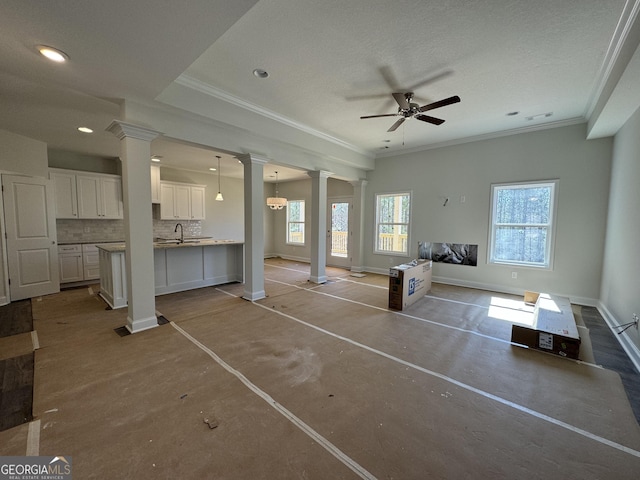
column 85, row 130
column 212, row 169
column 156, row 158
column 53, row 53
column 258, row 72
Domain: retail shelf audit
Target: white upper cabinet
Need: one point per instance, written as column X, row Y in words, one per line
column 197, row 203
column 87, row 195
column 111, row 196
column 99, row 196
column 181, row 201
column 64, row 186
column 155, row 184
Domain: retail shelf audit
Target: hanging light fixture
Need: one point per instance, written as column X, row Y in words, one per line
column 276, row 203
column 219, row 195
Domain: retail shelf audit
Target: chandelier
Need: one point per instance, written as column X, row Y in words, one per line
column 276, row 203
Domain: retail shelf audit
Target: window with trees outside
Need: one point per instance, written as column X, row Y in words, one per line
column 295, row 222
column 522, row 223
column 393, row 214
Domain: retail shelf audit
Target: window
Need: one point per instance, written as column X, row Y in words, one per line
column 522, row 223
column 393, row 212
column 295, row 222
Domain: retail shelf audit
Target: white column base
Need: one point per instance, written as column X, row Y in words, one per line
column 321, row 279
column 253, row 296
column 139, row 325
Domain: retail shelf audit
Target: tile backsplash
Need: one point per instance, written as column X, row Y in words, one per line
column 97, row 231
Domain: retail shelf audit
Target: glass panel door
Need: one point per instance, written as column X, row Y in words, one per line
column 338, row 244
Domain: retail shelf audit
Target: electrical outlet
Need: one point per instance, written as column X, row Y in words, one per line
column 514, row 274
column 87, row 229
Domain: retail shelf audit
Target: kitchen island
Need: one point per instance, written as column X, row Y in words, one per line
column 178, row 266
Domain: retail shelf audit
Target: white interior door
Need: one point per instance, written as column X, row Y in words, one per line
column 339, row 232
column 30, row 222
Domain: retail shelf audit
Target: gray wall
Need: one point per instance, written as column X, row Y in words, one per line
column 582, row 166
column 23, row 155
column 620, row 292
column 300, row 190
column 86, row 163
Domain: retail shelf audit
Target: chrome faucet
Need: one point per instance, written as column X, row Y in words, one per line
column 181, row 232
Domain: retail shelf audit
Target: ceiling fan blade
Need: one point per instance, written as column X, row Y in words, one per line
column 428, row 119
column 384, row 115
column 440, row 103
column 433, row 78
column 402, row 100
column 389, row 77
column 396, row 125
column 373, row 96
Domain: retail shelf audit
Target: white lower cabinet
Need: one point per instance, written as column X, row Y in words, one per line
column 91, row 261
column 78, row 263
column 70, row 261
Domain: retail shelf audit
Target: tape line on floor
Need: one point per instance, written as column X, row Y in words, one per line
column 465, row 386
column 326, row 444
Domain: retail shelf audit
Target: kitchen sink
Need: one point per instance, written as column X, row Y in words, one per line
column 166, row 241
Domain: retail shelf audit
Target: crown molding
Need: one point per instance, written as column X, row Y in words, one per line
column 486, row 136
column 123, row 129
column 614, row 55
column 207, row 89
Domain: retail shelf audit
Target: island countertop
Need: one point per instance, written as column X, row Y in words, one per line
column 188, row 242
column 177, row 266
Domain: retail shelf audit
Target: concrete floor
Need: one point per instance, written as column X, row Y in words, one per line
column 317, row 382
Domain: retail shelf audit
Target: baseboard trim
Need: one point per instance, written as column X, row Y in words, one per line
column 295, row 259
column 624, row 339
column 589, row 302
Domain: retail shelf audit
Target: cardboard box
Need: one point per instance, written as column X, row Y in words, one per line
column 554, row 328
column 408, row 284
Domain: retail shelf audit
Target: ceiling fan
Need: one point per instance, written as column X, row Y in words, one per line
column 407, row 109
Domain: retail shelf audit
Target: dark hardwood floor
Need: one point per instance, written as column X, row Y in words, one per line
column 16, row 318
column 16, row 392
column 609, row 353
column 16, row 374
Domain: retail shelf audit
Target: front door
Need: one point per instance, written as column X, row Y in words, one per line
column 339, row 236
column 32, row 251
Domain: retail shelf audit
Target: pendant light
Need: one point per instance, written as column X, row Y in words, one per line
column 219, row 195
column 276, row 203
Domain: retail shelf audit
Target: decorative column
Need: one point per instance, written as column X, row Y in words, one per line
column 319, row 225
column 357, row 238
column 254, row 204
column 135, row 152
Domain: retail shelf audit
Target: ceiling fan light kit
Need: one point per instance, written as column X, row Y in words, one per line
column 408, row 109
